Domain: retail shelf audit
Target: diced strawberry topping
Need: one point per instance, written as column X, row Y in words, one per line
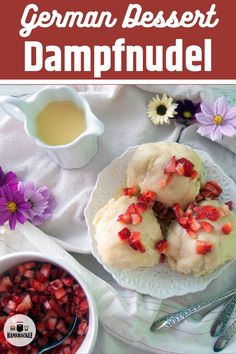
column 141, row 207
column 188, row 212
column 165, row 181
column 51, row 323
column 5, row 283
column 124, row 218
column 25, row 305
column 211, row 190
column 56, row 284
column 215, row 184
column 131, row 191
column 194, row 174
column 188, row 166
column 51, row 303
column 227, row 228
column 180, row 169
column 194, row 225
column 83, row 327
column 162, row 246
column 136, row 219
column 84, row 306
column 203, row 247
column 135, row 242
column 124, row 234
column 170, row 166
column 30, row 265
column 206, row 226
column 207, row 212
column 178, row 210
column 147, row 197
column 36, row 285
column 184, row 222
column 3, row 319
column 209, row 187
column 192, row 233
column 46, row 269
column 132, row 209
column 29, row 274
column 59, row 293
column 68, row 281
column 133, row 238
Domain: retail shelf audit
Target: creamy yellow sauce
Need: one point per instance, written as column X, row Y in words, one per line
column 60, row 122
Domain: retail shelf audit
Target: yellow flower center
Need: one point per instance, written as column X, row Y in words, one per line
column 12, row 207
column 218, row 119
column 187, row 114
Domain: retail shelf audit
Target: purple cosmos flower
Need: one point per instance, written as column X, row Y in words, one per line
column 186, row 111
column 217, row 119
column 12, row 207
column 8, row 178
column 41, row 202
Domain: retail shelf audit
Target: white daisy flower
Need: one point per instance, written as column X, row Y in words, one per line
column 159, row 110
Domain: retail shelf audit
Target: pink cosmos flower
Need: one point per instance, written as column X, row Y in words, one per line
column 13, row 207
column 40, row 200
column 217, row 119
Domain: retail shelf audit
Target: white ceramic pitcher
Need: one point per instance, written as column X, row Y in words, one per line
column 73, row 155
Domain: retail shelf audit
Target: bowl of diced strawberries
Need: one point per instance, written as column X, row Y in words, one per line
column 52, row 295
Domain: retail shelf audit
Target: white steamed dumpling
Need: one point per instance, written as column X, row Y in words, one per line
column 147, row 168
column 117, row 253
column 181, row 252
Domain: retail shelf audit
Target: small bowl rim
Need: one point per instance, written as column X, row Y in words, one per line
column 36, row 256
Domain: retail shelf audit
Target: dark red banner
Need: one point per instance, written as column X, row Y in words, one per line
column 148, row 39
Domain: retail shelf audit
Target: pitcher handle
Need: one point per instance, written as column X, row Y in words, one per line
column 9, row 103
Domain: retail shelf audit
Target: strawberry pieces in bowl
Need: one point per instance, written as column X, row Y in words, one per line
column 51, row 295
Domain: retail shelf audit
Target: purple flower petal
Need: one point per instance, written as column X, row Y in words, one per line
column 3, row 203
column 41, row 203
column 14, row 196
column 4, row 217
column 1, row 174
column 7, row 193
column 216, row 134
column 205, row 130
column 203, row 119
column 8, row 178
column 24, row 205
column 12, row 221
column 231, row 114
column 37, row 220
column 221, row 106
column 227, row 129
column 20, row 217
column 207, row 109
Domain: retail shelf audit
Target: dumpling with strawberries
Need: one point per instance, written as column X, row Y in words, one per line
column 127, row 233
column 202, row 239
column 173, row 171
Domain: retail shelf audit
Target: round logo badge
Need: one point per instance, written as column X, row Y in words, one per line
column 19, row 330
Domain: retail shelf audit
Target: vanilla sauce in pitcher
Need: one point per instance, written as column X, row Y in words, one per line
column 60, row 123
